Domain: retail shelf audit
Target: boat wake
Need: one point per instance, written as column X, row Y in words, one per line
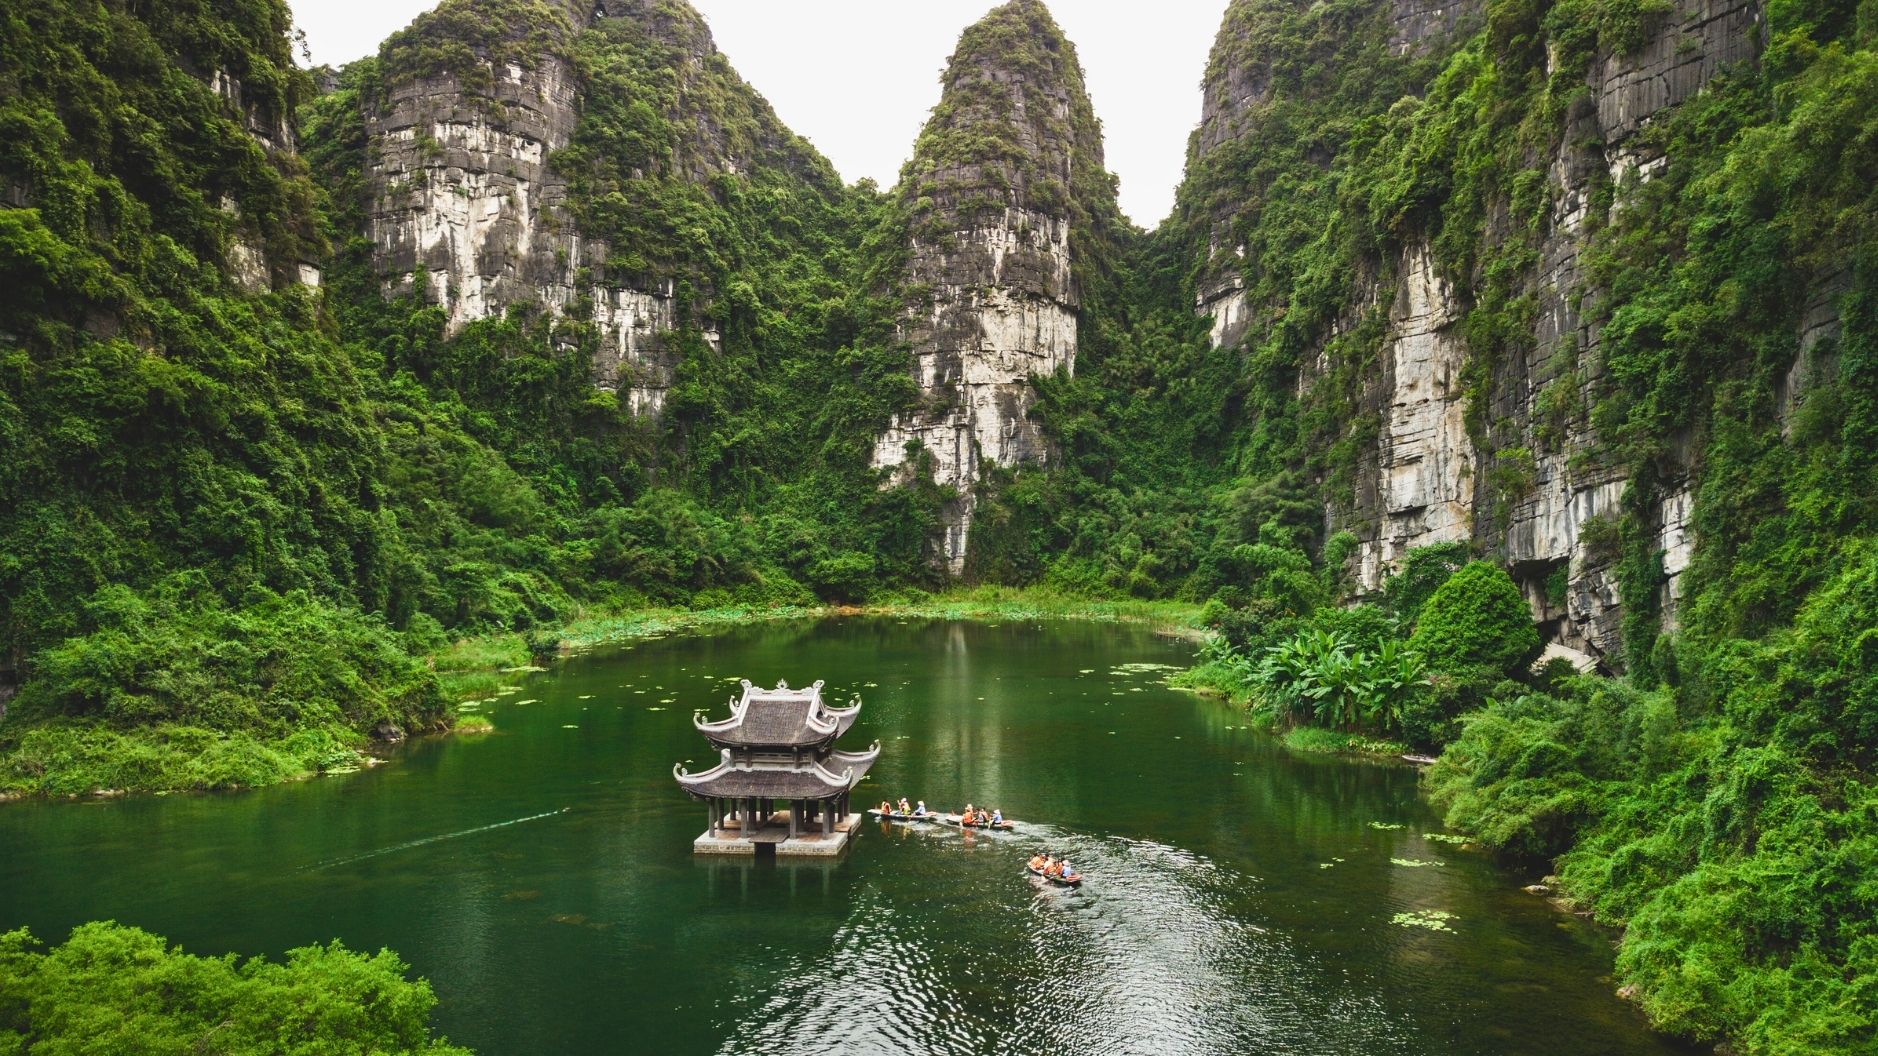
column 349, row 859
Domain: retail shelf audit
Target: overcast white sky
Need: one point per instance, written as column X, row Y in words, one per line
column 856, row 77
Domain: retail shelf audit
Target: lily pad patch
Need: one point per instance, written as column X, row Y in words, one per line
column 1432, row 919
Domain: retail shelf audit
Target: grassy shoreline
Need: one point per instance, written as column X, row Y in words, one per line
column 72, row 758
column 472, row 667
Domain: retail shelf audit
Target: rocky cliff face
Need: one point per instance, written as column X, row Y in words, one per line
column 1546, row 394
column 1427, row 480
column 468, row 210
column 249, row 260
column 991, row 194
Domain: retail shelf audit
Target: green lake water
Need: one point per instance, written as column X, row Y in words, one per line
column 1241, row 899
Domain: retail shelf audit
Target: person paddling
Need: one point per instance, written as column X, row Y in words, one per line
column 886, row 807
column 1068, row 871
column 904, row 808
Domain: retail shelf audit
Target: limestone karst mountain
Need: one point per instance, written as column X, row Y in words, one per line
column 499, row 177
column 1008, row 207
column 1500, row 454
column 1419, row 348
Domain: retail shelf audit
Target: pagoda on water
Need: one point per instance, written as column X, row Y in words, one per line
column 780, row 786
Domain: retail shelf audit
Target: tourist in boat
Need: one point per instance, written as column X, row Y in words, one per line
column 919, row 810
column 1066, row 870
column 997, row 816
column 966, row 816
column 1038, row 861
column 886, row 807
column 1054, row 869
column 905, row 808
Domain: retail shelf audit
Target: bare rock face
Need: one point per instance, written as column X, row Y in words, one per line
column 1418, row 25
column 1686, row 52
column 1422, row 481
column 1426, row 480
column 989, row 252
column 246, row 260
column 1546, row 397
column 467, row 211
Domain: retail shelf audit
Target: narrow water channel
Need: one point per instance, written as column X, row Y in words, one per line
column 1241, row 899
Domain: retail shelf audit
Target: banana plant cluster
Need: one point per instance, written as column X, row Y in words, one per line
column 1321, row 677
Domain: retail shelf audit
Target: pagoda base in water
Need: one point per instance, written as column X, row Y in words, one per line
column 773, row 838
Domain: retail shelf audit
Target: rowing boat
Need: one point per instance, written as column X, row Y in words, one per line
column 897, row 816
column 1074, row 881
column 959, row 820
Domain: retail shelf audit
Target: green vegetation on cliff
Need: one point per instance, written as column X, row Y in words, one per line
column 1717, row 800
column 192, row 458
column 239, row 515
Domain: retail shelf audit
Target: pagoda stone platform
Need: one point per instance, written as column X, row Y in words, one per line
column 773, row 838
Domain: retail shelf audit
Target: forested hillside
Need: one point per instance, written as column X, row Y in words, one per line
column 1477, row 329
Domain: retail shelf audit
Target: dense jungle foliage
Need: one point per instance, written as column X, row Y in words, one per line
column 240, row 518
column 239, row 514
column 1718, row 800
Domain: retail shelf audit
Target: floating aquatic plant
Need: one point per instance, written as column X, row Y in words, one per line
column 569, row 726
column 1414, row 863
column 1432, row 919
column 530, row 700
column 1445, row 837
column 1386, row 825
column 655, row 707
column 522, row 669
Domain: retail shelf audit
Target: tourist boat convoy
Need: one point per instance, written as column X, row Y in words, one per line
column 777, row 750
column 1045, row 866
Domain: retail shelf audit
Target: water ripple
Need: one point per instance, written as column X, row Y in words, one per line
column 1154, row 955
